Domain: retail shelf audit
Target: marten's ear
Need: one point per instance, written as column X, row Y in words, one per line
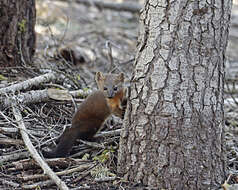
column 121, row 77
column 99, row 76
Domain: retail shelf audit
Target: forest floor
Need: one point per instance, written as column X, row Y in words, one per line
column 75, row 41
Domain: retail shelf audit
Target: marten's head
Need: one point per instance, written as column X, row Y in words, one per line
column 110, row 84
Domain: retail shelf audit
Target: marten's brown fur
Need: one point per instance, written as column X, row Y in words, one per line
column 92, row 113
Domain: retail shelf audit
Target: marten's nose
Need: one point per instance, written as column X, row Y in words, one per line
column 110, row 93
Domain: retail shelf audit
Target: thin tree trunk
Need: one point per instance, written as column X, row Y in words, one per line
column 173, row 127
column 17, row 35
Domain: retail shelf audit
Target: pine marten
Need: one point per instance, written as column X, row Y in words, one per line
column 92, row 113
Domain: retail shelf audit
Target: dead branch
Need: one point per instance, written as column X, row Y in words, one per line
column 12, row 157
column 27, row 98
column 38, row 184
column 57, row 94
column 125, row 6
column 34, row 153
column 64, row 172
column 36, row 96
column 8, row 130
column 48, row 183
column 31, row 164
column 23, row 165
column 10, row 141
column 29, row 83
column 14, row 131
column 10, row 183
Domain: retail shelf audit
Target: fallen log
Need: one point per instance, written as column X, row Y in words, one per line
column 126, row 6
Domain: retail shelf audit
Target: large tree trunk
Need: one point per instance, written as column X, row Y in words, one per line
column 17, row 35
column 173, row 130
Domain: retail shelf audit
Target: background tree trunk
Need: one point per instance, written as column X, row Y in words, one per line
column 173, row 130
column 17, row 35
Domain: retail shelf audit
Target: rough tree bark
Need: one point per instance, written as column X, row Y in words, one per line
column 17, row 35
column 173, row 129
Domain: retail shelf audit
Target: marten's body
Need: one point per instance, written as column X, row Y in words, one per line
column 92, row 113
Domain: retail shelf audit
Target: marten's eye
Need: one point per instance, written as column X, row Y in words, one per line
column 105, row 88
column 115, row 88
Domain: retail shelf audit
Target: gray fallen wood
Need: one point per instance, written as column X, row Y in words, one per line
column 126, row 6
column 29, row 83
column 26, row 98
column 15, row 156
column 37, row 96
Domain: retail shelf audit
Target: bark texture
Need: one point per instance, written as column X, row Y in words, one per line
column 173, row 129
column 17, row 34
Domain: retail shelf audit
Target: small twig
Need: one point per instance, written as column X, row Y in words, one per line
column 109, row 133
column 12, row 122
column 229, row 90
column 225, row 185
column 110, row 57
column 92, row 144
column 109, row 47
column 84, row 187
column 81, row 153
column 81, row 177
column 105, row 179
column 86, row 173
column 65, row 30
